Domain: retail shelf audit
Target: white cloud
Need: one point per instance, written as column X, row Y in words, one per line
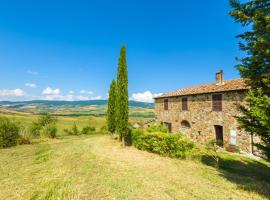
column 11, row 94
column 96, row 98
column 146, row 96
column 70, row 92
column 68, row 97
column 31, row 85
column 86, row 92
column 50, row 91
column 32, row 72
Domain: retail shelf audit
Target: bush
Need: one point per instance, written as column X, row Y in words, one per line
column 73, row 131
column 172, row 145
column 87, row 130
column 42, row 121
column 49, row 130
column 25, row 136
column 9, row 132
column 104, row 129
column 157, row 128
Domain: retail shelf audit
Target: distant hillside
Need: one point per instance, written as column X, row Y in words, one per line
column 74, row 108
column 71, row 103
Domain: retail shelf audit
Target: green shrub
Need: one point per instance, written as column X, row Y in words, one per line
column 157, row 128
column 73, row 131
column 49, row 130
column 67, row 131
column 172, row 145
column 87, row 130
column 44, row 120
column 104, row 129
column 9, row 132
column 25, row 136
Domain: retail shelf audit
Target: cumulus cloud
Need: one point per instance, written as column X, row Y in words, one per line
column 55, row 94
column 50, row 91
column 86, row 92
column 12, row 93
column 146, row 96
column 69, row 97
column 31, row 85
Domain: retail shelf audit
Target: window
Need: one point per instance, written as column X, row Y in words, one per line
column 166, row 104
column 184, row 104
column 217, row 102
column 185, row 124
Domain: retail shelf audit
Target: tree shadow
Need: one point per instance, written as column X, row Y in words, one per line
column 249, row 175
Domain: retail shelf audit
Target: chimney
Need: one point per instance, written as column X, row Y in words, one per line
column 219, row 78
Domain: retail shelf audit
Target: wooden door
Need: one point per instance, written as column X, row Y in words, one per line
column 219, row 135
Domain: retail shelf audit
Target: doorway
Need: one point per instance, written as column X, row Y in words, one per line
column 168, row 125
column 219, row 135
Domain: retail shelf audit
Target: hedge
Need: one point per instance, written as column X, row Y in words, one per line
column 172, row 145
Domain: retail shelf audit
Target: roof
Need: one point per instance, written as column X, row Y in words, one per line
column 228, row 85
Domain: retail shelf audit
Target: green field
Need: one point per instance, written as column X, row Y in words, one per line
column 62, row 122
column 97, row 167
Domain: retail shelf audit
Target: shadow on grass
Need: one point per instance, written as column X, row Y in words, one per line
column 249, row 175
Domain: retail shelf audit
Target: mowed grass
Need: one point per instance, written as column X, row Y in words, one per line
column 97, row 167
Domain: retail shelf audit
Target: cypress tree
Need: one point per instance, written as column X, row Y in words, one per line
column 122, row 96
column 255, row 67
column 111, row 112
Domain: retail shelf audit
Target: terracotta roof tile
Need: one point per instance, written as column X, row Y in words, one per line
column 229, row 85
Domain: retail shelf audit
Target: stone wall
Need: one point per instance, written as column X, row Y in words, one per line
column 202, row 119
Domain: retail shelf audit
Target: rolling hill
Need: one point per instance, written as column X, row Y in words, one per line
column 74, row 108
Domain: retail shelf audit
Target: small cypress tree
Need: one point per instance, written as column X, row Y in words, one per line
column 255, row 66
column 111, row 111
column 75, row 130
column 122, row 96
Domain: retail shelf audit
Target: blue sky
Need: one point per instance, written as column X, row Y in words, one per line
column 69, row 49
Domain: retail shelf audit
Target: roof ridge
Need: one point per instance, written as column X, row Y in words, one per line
column 212, row 87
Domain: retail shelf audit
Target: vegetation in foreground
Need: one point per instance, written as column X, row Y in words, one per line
column 255, row 68
column 96, row 167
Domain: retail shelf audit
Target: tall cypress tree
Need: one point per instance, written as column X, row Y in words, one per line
column 255, row 66
column 122, row 96
column 111, row 112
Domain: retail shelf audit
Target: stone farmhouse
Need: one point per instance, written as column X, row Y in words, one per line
column 207, row 112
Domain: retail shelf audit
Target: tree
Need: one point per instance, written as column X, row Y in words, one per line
column 255, row 67
column 111, row 112
column 75, row 130
column 122, row 96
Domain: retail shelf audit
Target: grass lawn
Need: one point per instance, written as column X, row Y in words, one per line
column 96, row 167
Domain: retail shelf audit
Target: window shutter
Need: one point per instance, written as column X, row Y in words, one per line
column 217, row 102
column 166, row 102
column 184, row 104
